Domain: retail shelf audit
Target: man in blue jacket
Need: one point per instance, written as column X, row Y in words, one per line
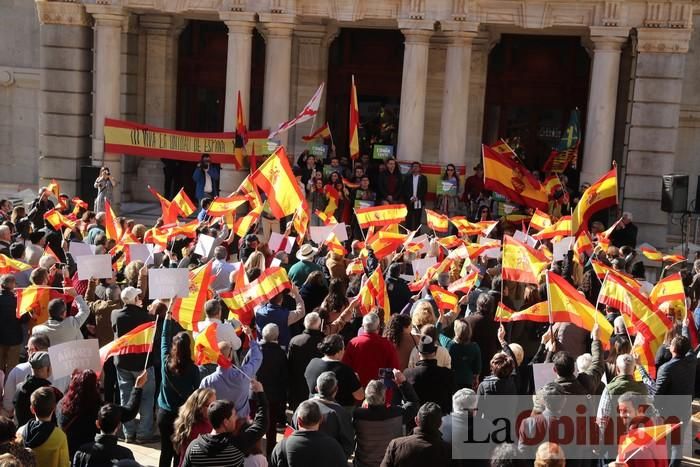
column 206, row 178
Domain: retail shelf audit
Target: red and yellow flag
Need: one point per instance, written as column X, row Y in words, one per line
column 35, row 300
column 669, row 289
column 673, row 259
column 521, row 262
column 206, row 348
column 552, row 184
column 385, row 243
column 188, row 311
column 561, row 228
column 540, row 220
column 334, row 245
column 601, row 270
column 564, row 298
column 327, row 219
column 300, row 221
column 539, row 313
column 464, row 284
column 642, row 438
column 582, row 245
column 354, row 134
column 444, row 299
column 323, row 132
column 240, row 135
column 222, row 206
column 350, row 185
column 464, row 227
column 58, row 220
column 183, row 203
column 168, row 213
column 333, row 198
column 450, row 242
column 373, row 292
column 379, row 216
column 601, row 195
column 10, row 266
column 275, row 178
column 652, row 254
column 510, row 178
column 241, row 302
column 436, row 221
column 78, row 204
column 355, row 267
column 112, row 227
column 138, row 340
column 244, row 223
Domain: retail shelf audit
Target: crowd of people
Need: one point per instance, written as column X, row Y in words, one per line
column 312, row 380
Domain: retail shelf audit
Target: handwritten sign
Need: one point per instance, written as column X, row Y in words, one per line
column 94, row 267
column 74, row 355
column 168, row 283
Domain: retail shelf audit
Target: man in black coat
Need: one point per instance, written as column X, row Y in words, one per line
column 302, row 349
column 273, row 376
column 397, row 288
column 104, row 450
column 431, row 382
column 415, row 187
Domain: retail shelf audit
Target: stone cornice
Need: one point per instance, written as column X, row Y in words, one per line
column 107, row 15
column 656, row 40
column 69, row 14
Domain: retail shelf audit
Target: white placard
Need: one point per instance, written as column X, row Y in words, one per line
column 543, row 373
column 204, row 245
column 522, row 237
column 276, row 263
column 561, row 248
column 168, row 283
column 276, row 241
column 74, row 355
column 420, row 266
column 341, row 231
column 94, row 267
column 494, row 252
column 424, row 241
column 141, row 252
column 80, row 249
column 319, row 234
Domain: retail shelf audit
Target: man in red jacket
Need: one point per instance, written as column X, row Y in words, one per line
column 369, row 351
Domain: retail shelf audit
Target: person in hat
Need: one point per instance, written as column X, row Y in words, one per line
column 39, row 378
column 431, row 382
column 305, row 266
column 130, row 366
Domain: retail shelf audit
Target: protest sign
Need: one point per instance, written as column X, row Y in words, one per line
column 141, row 252
column 382, row 151
column 168, row 283
column 420, row 266
column 275, row 242
column 561, row 248
column 522, row 237
column 319, row 234
column 74, row 355
column 543, row 373
column 204, row 245
column 79, row 249
column 94, row 267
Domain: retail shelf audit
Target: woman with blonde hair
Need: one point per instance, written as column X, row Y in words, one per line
column 192, row 420
column 256, row 260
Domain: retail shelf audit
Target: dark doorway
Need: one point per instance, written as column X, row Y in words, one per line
column 201, row 85
column 533, row 84
column 375, row 58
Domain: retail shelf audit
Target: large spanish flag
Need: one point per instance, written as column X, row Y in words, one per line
column 618, row 294
column 564, row 298
column 275, row 178
column 354, row 122
column 436, row 221
column 183, row 203
column 510, row 178
column 601, row 195
column 34, row 299
column 10, row 266
column 226, row 205
column 521, row 262
column 444, row 299
column 206, row 348
column 539, row 313
column 379, row 216
column 188, row 311
column 241, row 302
column 138, row 340
column 669, row 289
column 373, row 292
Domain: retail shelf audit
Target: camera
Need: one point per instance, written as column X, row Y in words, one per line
column 386, row 373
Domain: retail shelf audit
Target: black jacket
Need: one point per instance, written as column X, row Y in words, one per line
column 308, row 449
column 418, row 450
column 123, row 321
column 302, row 349
column 273, row 372
column 432, row 383
column 421, row 190
column 399, row 293
column 23, row 395
column 101, row 453
column 383, row 186
column 675, row 378
column 11, row 329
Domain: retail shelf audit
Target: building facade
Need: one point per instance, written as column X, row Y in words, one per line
column 455, row 73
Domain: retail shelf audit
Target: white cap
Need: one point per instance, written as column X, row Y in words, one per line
column 129, row 294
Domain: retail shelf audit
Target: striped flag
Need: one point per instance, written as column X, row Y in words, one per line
column 379, row 216
column 183, row 203
column 601, row 195
column 538, row 313
column 647, row 437
column 113, row 228
column 206, row 348
column 225, row 205
column 436, row 221
column 241, row 302
column 540, row 220
column 669, row 290
column 168, row 213
column 373, row 292
column 58, row 220
column 300, row 221
column 354, row 133
column 188, row 311
column 652, row 254
column 334, row 245
column 35, row 300
column 243, row 224
column 521, row 262
column 444, row 299
column 355, row 267
column 275, row 178
column 510, row 178
column 385, row 243
column 561, row 228
column 10, row 266
column 464, row 284
column 323, row 132
column 138, row 340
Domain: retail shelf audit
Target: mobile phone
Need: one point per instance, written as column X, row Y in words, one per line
column 386, row 373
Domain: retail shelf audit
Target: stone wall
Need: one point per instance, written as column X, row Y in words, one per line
column 19, row 91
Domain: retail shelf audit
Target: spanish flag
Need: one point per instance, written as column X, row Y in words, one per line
column 564, row 298
column 645, row 351
column 582, row 245
column 450, row 242
column 464, row 227
column 168, row 214
column 113, row 228
column 601, row 195
column 350, row 185
column 206, row 348
column 561, row 228
column 669, row 289
column 138, row 340
column 601, row 270
column 335, row 246
column 188, row 230
column 239, row 136
column 645, row 438
column 300, row 221
column 618, row 294
column 244, row 223
column 444, row 299
column 333, row 198
column 436, row 221
column 552, row 184
column 247, row 188
column 355, row 267
column 188, row 310
column 78, row 204
column 241, row 302
column 384, row 243
column 183, row 203
column 464, row 284
column 322, row 132
column 222, row 206
column 54, row 188
column 10, row 266
column 379, row 216
column 276, row 179
column 652, row 254
column 540, row 220
column 354, row 134
column 373, row 292
column 538, row 313
column 521, row 262
column 34, row 299
column 673, row 259
column 511, row 179
column 327, row 219
column 58, row 220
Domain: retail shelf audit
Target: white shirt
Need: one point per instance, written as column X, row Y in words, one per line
column 416, row 204
column 207, row 182
column 224, row 332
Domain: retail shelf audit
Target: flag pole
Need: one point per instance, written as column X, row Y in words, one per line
column 597, row 300
column 549, row 307
column 153, row 342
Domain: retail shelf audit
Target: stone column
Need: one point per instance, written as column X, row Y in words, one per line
column 109, row 21
column 602, row 101
column 161, row 34
column 481, row 47
column 278, row 30
column 653, row 126
column 413, row 88
column 455, row 102
column 65, row 93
